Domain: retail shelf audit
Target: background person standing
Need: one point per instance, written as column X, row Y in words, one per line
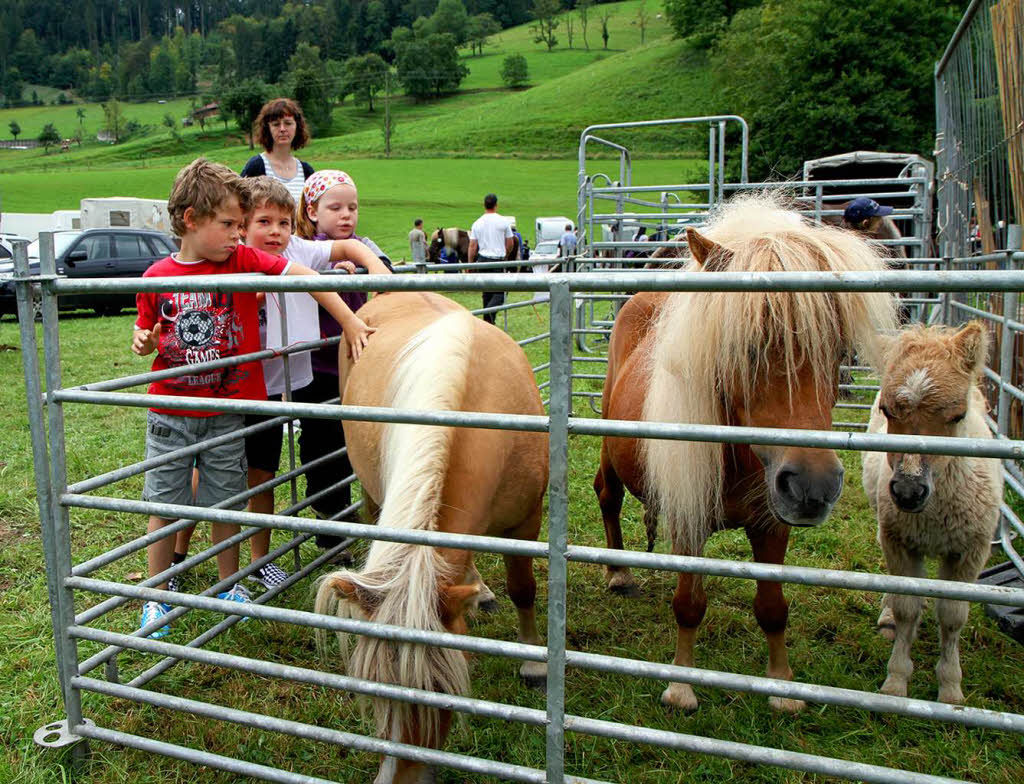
column 418, row 242
column 490, row 239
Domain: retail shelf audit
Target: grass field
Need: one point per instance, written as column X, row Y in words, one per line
column 393, row 193
column 831, row 636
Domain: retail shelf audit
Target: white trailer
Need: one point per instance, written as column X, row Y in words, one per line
column 133, row 213
column 551, row 228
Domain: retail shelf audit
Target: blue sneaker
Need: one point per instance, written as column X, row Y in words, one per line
column 238, row 593
column 152, row 612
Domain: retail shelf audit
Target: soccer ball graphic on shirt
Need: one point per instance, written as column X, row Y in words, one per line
column 195, row 328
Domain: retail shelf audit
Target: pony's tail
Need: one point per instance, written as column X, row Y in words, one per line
column 400, row 583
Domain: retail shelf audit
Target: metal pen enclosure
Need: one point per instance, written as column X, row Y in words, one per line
column 66, row 577
column 989, row 281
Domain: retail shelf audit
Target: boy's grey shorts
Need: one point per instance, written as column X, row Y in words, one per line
column 222, row 469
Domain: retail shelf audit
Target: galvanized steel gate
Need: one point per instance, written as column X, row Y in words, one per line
column 66, row 577
column 573, row 298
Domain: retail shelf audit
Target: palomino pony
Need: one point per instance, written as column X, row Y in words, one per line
column 933, row 506
column 753, row 359
column 453, row 239
column 430, row 353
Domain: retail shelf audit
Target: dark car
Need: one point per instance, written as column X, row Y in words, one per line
column 94, row 253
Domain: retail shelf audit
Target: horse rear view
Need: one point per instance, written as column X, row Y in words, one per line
column 932, row 506
column 430, row 353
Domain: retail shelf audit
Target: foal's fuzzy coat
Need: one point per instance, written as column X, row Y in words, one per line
column 932, row 505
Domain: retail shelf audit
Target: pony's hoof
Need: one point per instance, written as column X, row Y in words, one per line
column 785, row 705
column 951, row 695
column 894, row 688
column 488, row 605
column 535, row 676
column 627, row 590
column 680, row 696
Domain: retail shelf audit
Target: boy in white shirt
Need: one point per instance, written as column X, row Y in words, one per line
column 268, row 227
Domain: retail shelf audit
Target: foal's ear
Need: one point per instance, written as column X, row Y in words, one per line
column 711, row 256
column 970, row 346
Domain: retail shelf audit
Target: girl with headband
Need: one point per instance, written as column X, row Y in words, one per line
column 329, row 210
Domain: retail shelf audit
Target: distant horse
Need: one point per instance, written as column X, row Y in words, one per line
column 752, row 359
column 932, row 505
column 431, row 354
column 453, row 239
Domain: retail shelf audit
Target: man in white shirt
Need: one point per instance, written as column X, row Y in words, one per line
column 418, row 242
column 490, row 239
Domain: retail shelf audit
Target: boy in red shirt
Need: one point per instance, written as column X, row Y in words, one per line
column 208, row 205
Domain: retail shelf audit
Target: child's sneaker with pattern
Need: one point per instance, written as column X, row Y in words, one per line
column 269, row 576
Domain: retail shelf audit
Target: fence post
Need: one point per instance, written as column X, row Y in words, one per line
column 1006, row 361
column 58, row 521
column 558, row 521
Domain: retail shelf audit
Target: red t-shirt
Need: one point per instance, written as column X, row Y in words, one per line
column 200, row 326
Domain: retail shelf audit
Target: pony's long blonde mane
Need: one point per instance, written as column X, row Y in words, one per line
column 399, row 580
column 710, row 346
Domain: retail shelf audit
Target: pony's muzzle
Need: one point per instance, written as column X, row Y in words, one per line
column 910, row 493
column 804, row 497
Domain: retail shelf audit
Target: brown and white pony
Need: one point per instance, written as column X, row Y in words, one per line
column 453, row 239
column 752, row 359
column 932, row 506
column 430, row 353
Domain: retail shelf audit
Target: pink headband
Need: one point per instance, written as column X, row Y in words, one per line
column 322, row 181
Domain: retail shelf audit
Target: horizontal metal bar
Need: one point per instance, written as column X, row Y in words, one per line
column 800, row 575
column 467, row 705
column 822, row 695
column 195, row 756
column 491, row 544
column 512, row 650
column 297, row 729
column 822, row 439
column 758, row 755
column 534, row 339
column 889, row 280
column 311, row 410
column 202, row 367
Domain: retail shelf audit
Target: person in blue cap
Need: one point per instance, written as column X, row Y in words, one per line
column 867, row 216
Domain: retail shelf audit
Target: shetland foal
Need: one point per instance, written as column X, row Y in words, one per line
column 430, row 353
column 932, row 505
column 754, row 359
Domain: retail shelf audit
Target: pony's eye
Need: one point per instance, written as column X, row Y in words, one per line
column 885, row 411
column 958, row 418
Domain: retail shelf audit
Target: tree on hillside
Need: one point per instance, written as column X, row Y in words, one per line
column 14, row 128
column 583, row 11
column 80, row 114
column 49, row 136
column 364, row 77
column 113, row 119
column 605, row 16
column 243, row 102
column 514, row 70
column 814, row 78
column 703, row 20
column 172, row 125
column 480, row 28
column 546, row 13
column 643, row 16
column 570, row 28
column 429, row 66
column 451, row 17
column 305, row 82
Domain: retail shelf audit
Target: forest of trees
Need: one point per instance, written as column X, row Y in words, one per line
column 137, row 49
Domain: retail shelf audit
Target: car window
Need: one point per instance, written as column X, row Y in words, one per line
column 546, row 247
column 61, row 240
column 96, row 246
column 129, row 246
column 4, row 253
column 160, row 246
